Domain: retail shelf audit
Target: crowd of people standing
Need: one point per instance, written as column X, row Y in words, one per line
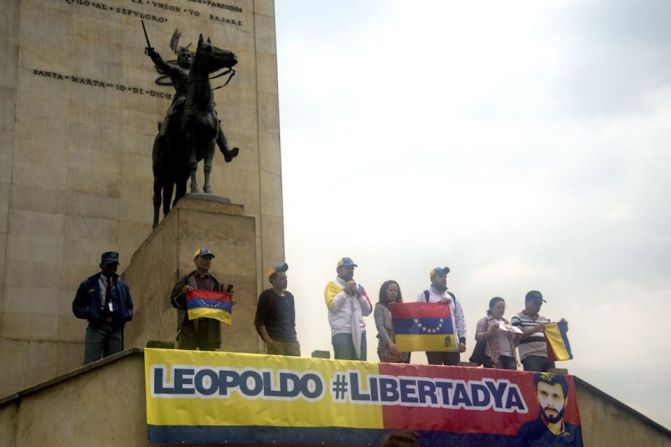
column 498, row 340
column 105, row 301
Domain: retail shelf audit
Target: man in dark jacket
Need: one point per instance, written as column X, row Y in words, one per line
column 104, row 300
column 201, row 333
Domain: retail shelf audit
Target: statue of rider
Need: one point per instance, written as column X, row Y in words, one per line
column 179, row 74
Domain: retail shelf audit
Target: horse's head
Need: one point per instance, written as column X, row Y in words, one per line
column 210, row 58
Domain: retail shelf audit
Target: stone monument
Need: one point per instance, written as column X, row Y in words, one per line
column 81, row 112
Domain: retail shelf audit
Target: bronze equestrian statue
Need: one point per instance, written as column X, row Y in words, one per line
column 191, row 127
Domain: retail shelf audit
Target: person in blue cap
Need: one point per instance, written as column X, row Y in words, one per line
column 276, row 315
column 201, row 333
column 347, row 304
column 104, row 300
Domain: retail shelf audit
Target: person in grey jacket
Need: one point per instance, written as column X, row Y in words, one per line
column 390, row 293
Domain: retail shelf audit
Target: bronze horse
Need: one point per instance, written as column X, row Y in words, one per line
column 175, row 157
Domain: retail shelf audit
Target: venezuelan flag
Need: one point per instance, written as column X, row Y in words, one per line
column 557, row 341
column 423, row 327
column 209, row 304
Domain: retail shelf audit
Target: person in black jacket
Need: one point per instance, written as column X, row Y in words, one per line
column 104, row 300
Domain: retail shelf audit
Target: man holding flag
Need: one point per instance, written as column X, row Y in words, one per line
column 200, row 294
column 439, row 295
column 533, row 347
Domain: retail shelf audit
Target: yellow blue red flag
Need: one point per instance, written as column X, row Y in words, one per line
column 209, row 304
column 423, row 327
column 558, row 346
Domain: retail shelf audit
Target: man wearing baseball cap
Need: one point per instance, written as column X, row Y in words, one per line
column 201, row 333
column 276, row 315
column 532, row 346
column 104, row 300
column 347, row 304
column 437, row 293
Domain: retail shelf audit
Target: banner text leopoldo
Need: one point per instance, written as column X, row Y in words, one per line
column 210, row 382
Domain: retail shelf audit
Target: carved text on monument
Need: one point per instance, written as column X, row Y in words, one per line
column 102, row 84
column 165, row 8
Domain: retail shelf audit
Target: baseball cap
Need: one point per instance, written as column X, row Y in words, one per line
column 534, row 295
column 436, row 270
column 200, row 252
column 347, row 262
column 283, row 267
column 109, row 257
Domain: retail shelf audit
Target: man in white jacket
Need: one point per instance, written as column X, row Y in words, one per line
column 347, row 303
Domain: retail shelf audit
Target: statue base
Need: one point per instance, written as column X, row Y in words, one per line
column 198, row 220
column 206, row 196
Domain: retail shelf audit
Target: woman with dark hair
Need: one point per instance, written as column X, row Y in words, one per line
column 390, row 293
column 499, row 336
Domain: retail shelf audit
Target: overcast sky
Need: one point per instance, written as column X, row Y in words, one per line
column 524, row 144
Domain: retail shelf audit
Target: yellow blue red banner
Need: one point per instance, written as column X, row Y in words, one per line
column 197, row 397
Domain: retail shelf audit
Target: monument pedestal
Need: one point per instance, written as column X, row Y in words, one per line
column 167, row 255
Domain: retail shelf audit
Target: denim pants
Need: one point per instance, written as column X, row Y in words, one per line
column 343, row 347
column 443, row 358
column 102, row 339
column 537, row 363
column 506, row 362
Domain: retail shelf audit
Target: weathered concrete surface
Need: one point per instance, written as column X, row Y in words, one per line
column 608, row 422
column 78, row 113
column 9, row 54
column 167, row 255
column 101, row 404
column 104, row 404
column 8, row 423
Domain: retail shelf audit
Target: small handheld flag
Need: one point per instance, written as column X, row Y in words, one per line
column 423, row 327
column 557, row 341
column 209, row 304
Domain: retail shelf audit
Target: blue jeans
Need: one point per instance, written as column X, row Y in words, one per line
column 537, row 363
column 343, row 347
column 505, row 362
column 102, row 339
column 443, row 358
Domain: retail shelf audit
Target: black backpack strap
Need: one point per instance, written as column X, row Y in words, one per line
column 426, row 295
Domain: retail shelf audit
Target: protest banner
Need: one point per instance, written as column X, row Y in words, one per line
column 198, row 397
